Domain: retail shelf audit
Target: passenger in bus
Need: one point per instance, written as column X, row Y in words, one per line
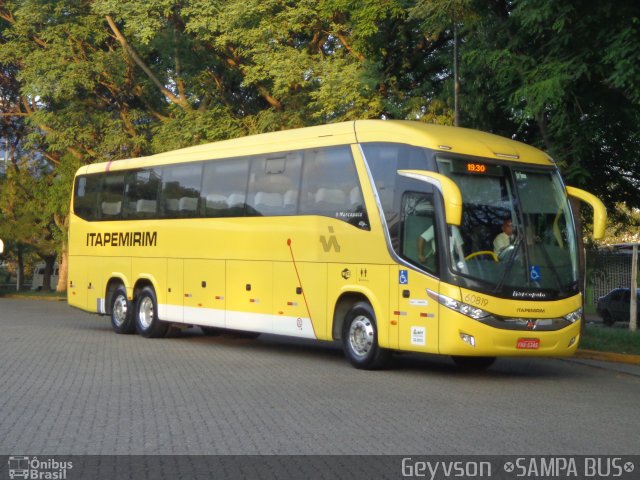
column 504, row 238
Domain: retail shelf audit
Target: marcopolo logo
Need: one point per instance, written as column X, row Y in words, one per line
column 33, row 468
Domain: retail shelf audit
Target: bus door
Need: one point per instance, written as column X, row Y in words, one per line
column 417, row 314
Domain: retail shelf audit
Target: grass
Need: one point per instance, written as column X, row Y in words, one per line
column 31, row 294
column 611, row 339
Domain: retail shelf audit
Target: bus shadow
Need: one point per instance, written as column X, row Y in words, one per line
column 525, row 369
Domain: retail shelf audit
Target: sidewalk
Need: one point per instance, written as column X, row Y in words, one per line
column 611, row 365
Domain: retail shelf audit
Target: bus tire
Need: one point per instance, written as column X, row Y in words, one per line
column 360, row 338
column 147, row 322
column 473, row 363
column 122, row 320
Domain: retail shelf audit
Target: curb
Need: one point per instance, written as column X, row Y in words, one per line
column 608, row 357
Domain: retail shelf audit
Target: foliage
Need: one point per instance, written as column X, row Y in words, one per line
column 619, row 340
column 91, row 80
column 623, row 225
column 559, row 75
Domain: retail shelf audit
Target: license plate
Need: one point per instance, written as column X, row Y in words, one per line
column 528, row 343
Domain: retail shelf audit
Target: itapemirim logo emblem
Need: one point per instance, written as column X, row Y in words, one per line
column 32, row 468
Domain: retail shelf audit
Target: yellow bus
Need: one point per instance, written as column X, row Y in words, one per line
column 380, row 234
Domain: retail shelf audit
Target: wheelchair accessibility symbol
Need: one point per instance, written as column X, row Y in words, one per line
column 403, row 278
column 534, row 273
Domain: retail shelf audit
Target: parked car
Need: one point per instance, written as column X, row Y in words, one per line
column 38, row 277
column 615, row 306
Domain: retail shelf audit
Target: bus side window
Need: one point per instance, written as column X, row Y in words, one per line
column 419, row 243
column 330, row 186
column 111, row 196
column 86, row 195
column 273, row 179
column 181, row 190
column 141, row 193
column 224, row 188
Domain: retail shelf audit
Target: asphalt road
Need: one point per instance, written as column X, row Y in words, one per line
column 71, row 386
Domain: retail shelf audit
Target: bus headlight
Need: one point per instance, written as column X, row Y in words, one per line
column 460, row 307
column 573, row 317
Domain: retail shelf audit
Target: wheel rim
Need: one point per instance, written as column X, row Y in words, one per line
column 120, row 309
column 145, row 312
column 361, row 336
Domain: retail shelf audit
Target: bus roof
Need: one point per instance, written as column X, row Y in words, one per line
column 437, row 137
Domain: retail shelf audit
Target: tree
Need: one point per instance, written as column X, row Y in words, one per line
column 560, row 75
column 74, row 98
column 97, row 80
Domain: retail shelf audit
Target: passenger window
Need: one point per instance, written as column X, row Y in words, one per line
column 384, row 160
column 141, row 193
column 87, row 191
column 224, row 188
column 274, row 183
column 419, row 240
column 111, row 197
column 181, row 190
column 330, row 186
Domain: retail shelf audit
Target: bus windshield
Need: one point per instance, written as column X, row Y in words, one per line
column 516, row 235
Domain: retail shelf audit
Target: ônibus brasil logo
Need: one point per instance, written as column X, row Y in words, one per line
column 33, row 468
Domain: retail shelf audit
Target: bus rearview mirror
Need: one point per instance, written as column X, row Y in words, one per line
column 599, row 210
column 447, row 188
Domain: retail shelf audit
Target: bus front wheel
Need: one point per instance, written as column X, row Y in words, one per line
column 122, row 320
column 147, row 322
column 360, row 338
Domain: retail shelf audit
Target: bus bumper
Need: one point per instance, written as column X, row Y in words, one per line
column 467, row 337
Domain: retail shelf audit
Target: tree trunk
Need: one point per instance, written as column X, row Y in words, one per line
column 20, row 270
column 50, row 261
column 63, row 269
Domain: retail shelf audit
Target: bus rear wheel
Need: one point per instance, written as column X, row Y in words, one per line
column 360, row 338
column 147, row 322
column 122, row 320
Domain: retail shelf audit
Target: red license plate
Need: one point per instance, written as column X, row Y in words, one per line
column 528, row 343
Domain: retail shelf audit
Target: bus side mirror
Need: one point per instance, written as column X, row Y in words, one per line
column 599, row 210
column 447, row 188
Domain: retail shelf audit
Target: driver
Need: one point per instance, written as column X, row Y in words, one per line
column 504, row 238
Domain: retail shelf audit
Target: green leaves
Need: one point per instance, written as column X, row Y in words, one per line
column 93, row 80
